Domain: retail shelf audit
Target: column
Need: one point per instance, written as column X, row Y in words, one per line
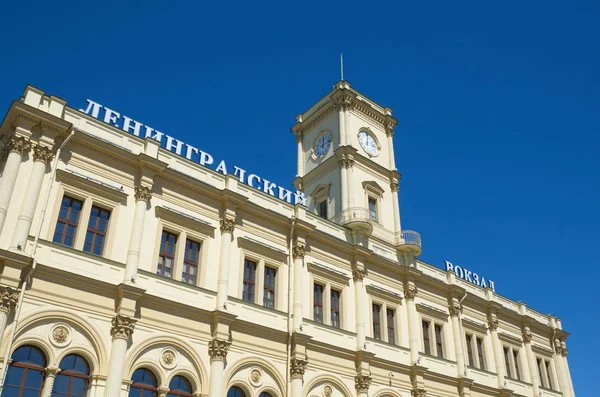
column 413, row 323
column 498, row 355
column 9, row 299
column 569, row 381
column 341, row 121
column 217, row 350
column 298, row 252
column 343, row 163
column 389, row 132
column 121, row 331
column 395, row 186
column 297, row 369
column 300, row 143
column 362, row 383
column 349, row 189
column 41, row 157
column 142, row 198
column 562, row 368
column 360, row 299
column 461, row 367
column 16, row 148
column 532, row 363
column 227, row 227
column 51, row 373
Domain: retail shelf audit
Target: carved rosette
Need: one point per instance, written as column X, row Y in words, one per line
column 418, row 393
column 299, row 251
column 122, row 327
column 297, row 368
column 142, row 193
column 9, row 299
column 255, row 377
column 18, row 145
column 227, row 225
column 362, row 383
column 218, row 348
column 42, row 153
column 410, row 293
column 60, row 334
column 454, row 309
column 358, row 275
column 527, row 335
column 327, row 391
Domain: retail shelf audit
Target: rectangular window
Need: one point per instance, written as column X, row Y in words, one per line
column 541, row 372
column 68, row 219
column 249, row 280
column 96, row 231
column 480, row 353
column 470, row 350
column 516, row 357
column 507, row 362
column 190, row 262
column 166, row 256
column 549, row 373
column 376, row 321
column 391, row 329
column 322, row 209
column 269, row 289
column 438, row 341
column 426, row 343
column 318, row 303
column 335, row 309
column 373, row 208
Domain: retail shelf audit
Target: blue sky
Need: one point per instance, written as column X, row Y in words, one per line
column 498, row 105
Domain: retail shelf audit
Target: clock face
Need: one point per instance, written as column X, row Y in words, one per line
column 368, row 143
column 322, row 145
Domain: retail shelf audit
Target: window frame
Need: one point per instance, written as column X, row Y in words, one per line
column 393, row 325
column 269, row 288
column 97, row 232
column 436, row 317
column 318, row 303
column 335, row 309
column 67, row 222
column 330, row 279
column 189, row 263
column 372, row 198
column 248, row 281
column 323, row 205
column 166, row 254
column 73, row 374
column 27, row 367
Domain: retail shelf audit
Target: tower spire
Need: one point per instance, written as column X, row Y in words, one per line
column 342, row 65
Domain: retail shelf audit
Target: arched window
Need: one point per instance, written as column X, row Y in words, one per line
column 144, row 384
column 265, row 394
column 236, row 392
column 25, row 375
column 72, row 380
column 179, row 386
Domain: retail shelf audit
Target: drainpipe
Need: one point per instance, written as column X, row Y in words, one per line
column 34, row 262
column 460, row 327
column 290, row 303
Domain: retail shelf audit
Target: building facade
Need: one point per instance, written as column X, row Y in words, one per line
column 134, row 264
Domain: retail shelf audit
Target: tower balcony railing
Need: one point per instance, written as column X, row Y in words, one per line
column 409, row 237
column 351, row 216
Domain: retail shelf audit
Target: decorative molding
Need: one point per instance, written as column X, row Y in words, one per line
column 327, row 391
column 255, row 377
column 383, row 293
column 432, row 311
column 560, row 347
column 297, row 368
column 410, row 293
column 142, row 193
column 362, row 383
column 328, row 273
column 94, row 186
column 227, row 225
column 42, row 153
column 418, row 393
column 527, row 335
column 60, row 335
column 258, row 248
column 181, row 219
column 347, row 161
column 373, row 187
column 493, row 323
column 122, row 327
column 9, row 299
column 218, row 348
column 395, row 186
column 298, row 251
column 510, row 338
column 52, row 371
column 454, row 309
column 168, row 358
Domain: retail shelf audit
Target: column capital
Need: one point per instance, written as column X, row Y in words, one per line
column 8, row 299
column 493, row 323
column 527, row 335
column 297, row 368
column 346, row 162
column 362, row 383
column 343, row 100
column 454, row 308
column 560, row 347
column 299, row 251
column 395, row 186
column 142, row 193
column 418, row 393
column 18, row 145
column 162, row 391
column 42, row 153
column 52, row 371
column 358, row 274
column 217, row 349
column 227, row 225
column 122, row 327
column 410, row 293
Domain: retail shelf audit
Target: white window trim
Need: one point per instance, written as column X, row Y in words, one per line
column 387, row 299
column 328, row 278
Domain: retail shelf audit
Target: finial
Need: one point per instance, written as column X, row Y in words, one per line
column 342, row 65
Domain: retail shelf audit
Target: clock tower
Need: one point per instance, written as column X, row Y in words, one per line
column 346, row 164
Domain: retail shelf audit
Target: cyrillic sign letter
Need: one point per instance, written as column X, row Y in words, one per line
column 252, row 178
column 222, row 168
column 93, row 108
column 177, row 146
column 137, row 126
column 111, row 117
column 240, row 173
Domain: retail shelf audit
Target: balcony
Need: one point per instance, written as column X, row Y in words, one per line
column 357, row 219
column 409, row 240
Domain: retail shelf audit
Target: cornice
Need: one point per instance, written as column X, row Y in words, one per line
column 32, row 117
column 383, row 293
column 91, row 185
column 329, row 273
column 432, row 311
column 199, row 225
column 263, row 249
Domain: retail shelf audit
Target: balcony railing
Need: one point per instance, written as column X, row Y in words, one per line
column 410, row 237
column 352, row 215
